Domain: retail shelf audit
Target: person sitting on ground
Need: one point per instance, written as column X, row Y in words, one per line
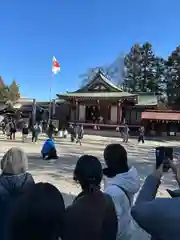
column 159, row 217
column 49, row 150
column 14, row 181
column 121, row 182
column 92, row 214
column 38, row 214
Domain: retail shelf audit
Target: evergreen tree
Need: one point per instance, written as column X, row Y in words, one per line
column 2, row 84
column 147, row 82
column 157, row 83
column 173, row 77
column 144, row 71
column 132, row 63
column 3, row 90
column 14, row 91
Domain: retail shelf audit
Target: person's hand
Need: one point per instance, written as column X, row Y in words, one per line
column 158, row 172
column 176, row 170
column 173, row 166
column 178, row 173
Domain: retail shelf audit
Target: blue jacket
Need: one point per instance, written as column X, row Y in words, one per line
column 48, row 145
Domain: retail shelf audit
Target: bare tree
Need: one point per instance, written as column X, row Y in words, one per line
column 115, row 72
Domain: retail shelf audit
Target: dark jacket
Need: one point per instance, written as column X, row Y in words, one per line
column 25, row 130
column 91, row 216
column 11, row 185
column 160, row 217
column 12, row 127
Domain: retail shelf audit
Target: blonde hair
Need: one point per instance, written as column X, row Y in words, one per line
column 14, row 161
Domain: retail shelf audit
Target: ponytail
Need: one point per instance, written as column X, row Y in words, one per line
column 92, row 188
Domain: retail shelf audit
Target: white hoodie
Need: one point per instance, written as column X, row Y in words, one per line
column 130, row 182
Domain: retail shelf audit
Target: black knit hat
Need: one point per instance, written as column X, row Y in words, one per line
column 88, row 171
column 115, row 157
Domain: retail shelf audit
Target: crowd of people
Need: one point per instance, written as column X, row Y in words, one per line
column 30, row 210
column 124, row 130
column 9, row 128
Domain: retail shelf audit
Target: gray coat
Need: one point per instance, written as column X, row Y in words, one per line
column 160, row 217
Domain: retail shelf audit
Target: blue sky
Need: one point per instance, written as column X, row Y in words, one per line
column 81, row 34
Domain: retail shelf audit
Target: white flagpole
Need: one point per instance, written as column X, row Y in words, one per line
column 55, row 70
column 50, row 101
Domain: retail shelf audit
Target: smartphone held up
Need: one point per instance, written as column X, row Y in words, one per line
column 163, row 155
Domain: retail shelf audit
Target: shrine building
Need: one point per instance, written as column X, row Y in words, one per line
column 102, row 102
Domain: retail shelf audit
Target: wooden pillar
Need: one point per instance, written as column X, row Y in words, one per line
column 119, row 112
column 34, row 112
column 98, row 115
column 70, row 110
column 77, row 110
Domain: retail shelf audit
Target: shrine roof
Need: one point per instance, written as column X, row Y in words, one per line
column 100, row 78
column 100, row 87
column 95, row 95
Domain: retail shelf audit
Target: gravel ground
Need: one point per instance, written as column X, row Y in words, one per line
column 60, row 172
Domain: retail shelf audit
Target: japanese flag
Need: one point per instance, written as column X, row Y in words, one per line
column 55, row 66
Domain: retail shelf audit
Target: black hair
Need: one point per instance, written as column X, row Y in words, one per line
column 38, row 214
column 88, row 172
column 115, row 157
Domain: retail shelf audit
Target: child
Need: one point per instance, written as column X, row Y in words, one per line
column 25, row 132
column 80, row 133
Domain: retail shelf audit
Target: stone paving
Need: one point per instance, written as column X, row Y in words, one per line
column 60, row 172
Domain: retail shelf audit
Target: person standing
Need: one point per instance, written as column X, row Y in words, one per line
column 39, row 214
column 80, row 133
column 35, row 132
column 14, row 182
column 25, row 132
column 7, row 130
column 12, row 130
column 72, row 132
column 125, row 133
column 51, row 129
column 141, row 134
column 92, row 214
column 159, row 217
column 3, row 125
column 121, row 182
